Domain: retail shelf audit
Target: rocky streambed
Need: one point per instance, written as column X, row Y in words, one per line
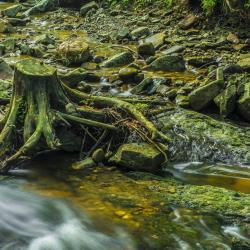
column 187, row 75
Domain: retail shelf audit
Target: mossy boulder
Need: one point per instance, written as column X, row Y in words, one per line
column 226, row 100
column 244, row 62
column 171, row 63
column 12, row 11
column 198, row 137
column 128, row 74
column 244, row 102
column 201, row 97
column 118, row 60
column 73, row 52
column 138, row 157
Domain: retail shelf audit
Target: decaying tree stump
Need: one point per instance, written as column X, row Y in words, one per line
column 40, row 100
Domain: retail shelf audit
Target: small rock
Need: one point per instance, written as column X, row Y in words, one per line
column 87, row 7
column 232, row 38
column 200, row 61
column 140, row 32
column 173, row 50
column 171, row 63
column 188, row 21
column 118, row 60
column 146, row 49
column 157, row 40
column 73, row 52
column 98, row 155
column 84, row 164
column 128, row 74
column 244, row 63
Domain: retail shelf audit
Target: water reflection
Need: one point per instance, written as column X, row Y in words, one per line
column 229, row 176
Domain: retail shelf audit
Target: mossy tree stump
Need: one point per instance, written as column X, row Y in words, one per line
column 39, row 101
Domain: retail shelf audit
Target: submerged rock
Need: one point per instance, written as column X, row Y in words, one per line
column 118, row 60
column 202, row 96
column 138, row 157
column 172, row 63
column 73, row 52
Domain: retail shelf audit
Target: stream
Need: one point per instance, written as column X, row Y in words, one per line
column 45, row 205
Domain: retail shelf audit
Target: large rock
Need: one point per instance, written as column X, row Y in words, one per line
column 118, row 60
column 12, row 11
column 204, row 95
column 226, row 100
column 138, row 157
column 244, row 102
column 73, row 52
column 244, row 62
column 172, row 63
column 87, row 7
column 197, row 137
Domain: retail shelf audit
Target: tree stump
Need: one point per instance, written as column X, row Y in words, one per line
column 39, row 101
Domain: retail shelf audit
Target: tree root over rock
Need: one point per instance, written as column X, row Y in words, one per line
column 39, row 103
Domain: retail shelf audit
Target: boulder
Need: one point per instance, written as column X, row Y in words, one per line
column 172, row 63
column 244, row 62
column 73, row 52
column 157, row 40
column 226, row 100
column 87, row 7
column 146, row 49
column 118, row 60
column 140, row 32
column 202, row 96
column 12, row 11
column 138, row 157
column 244, row 102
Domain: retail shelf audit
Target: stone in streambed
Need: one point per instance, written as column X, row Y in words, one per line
column 171, row 63
column 138, row 157
column 199, row 61
column 118, row 60
column 173, row 50
column 73, row 52
column 140, row 32
column 244, row 102
column 98, row 155
column 128, row 74
column 202, row 96
column 157, row 40
column 84, row 164
column 5, row 26
column 226, row 100
column 146, row 49
column 244, row 62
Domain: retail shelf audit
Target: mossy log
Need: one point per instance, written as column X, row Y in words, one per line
column 39, row 101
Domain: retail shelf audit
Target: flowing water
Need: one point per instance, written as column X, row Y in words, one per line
column 46, row 207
